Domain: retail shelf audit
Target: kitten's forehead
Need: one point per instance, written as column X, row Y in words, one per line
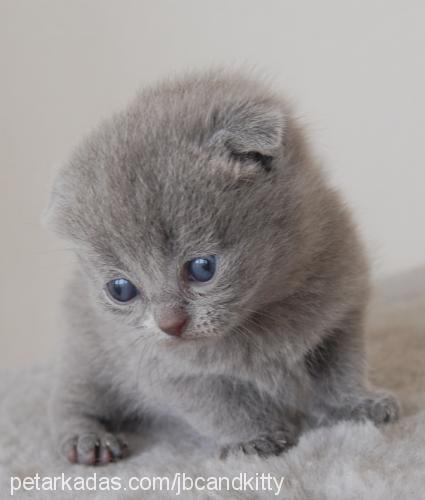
column 169, row 200
column 171, row 190
column 153, row 178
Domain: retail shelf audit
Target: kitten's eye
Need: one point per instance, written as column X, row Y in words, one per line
column 201, row 269
column 121, row 290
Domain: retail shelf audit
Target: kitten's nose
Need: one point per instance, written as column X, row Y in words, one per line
column 173, row 323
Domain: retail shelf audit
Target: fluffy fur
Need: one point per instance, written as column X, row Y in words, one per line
column 347, row 461
column 209, row 164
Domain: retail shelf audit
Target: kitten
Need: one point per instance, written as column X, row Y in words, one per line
column 221, row 279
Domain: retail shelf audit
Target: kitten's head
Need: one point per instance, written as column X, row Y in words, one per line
column 185, row 209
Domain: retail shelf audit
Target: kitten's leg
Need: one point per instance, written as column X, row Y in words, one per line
column 237, row 416
column 82, row 438
column 336, row 367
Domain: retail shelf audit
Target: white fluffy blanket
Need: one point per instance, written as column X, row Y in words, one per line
column 348, row 461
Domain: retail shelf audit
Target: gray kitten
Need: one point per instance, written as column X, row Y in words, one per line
column 221, row 279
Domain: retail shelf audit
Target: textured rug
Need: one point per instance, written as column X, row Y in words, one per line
column 347, row 461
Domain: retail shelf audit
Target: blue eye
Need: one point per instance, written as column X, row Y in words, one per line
column 121, row 290
column 201, row 269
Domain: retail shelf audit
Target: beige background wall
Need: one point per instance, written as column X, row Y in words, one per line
column 355, row 69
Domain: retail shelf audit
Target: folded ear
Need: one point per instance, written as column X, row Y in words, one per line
column 252, row 133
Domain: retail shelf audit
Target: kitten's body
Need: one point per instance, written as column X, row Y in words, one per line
column 211, row 164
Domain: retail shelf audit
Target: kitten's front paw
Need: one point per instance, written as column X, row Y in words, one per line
column 90, row 448
column 265, row 445
column 381, row 408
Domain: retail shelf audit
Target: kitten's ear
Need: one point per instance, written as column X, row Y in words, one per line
column 252, row 133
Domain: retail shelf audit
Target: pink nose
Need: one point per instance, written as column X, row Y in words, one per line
column 173, row 325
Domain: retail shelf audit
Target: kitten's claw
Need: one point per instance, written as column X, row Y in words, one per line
column 265, row 445
column 95, row 449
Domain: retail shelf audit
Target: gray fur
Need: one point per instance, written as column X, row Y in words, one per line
column 274, row 343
